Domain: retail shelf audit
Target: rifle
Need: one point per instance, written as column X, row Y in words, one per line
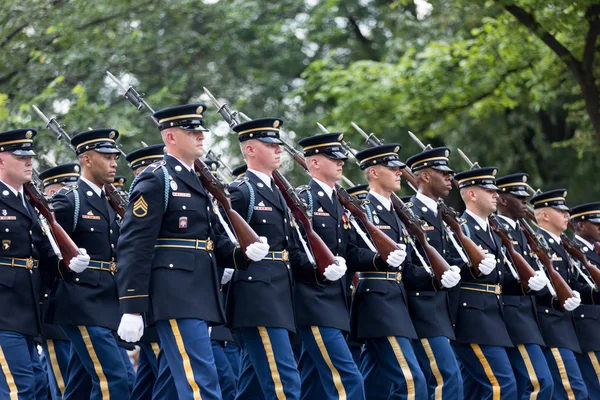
column 597, row 247
column 474, row 253
column 575, row 250
column 245, row 234
column 323, row 255
column 563, row 290
column 115, row 199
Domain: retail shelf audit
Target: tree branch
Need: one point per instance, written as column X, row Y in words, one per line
column 592, row 14
column 14, row 33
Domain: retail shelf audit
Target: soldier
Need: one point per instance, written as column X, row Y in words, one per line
column 586, row 218
column 481, row 334
column 27, row 263
column 557, row 326
column 428, row 305
column 527, row 358
column 260, row 299
column 379, row 313
column 169, row 249
column 119, row 183
column 55, row 343
column 326, row 367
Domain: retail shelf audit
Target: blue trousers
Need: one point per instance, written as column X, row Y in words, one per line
column 589, row 364
column 147, row 372
column 94, row 352
column 568, row 382
column 396, row 358
column 56, row 354
column 224, row 370
column 21, row 373
column 129, row 367
column 439, row 365
column 490, row 375
column 327, row 369
column 532, row 374
column 164, row 386
column 268, row 365
column 377, row 385
column 232, row 351
column 187, row 349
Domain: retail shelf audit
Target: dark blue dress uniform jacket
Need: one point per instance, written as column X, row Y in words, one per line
column 428, row 302
column 88, row 298
column 326, row 304
column 380, row 307
column 480, row 319
column 587, row 316
column 556, row 325
column 20, row 288
column 172, row 282
column 262, row 295
column 520, row 312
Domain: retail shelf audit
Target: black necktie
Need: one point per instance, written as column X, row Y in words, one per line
column 20, row 197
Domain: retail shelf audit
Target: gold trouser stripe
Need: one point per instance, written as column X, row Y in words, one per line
column 530, row 371
column 97, row 366
column 55, row 366
column 434, row 369
column 595, row 364
column 155, row 348
column 488, row 371
column 337, row 379
column 187, row 365
column 266, row 341
column 10, row 380
column 563, row 373
column 410, row 383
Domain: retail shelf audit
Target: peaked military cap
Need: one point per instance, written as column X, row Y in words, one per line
column 552, row 198
column 18, row 142
column 213, row 165
column 515, row 184
column 188, row 117
column 145, row 156
column 436, row 158
column 328, row 144
column 361, row 191
column 65, row 173
column 101, row 140
column 239, row 171
column 119, row 181
column 586, row 212
column 386, row 155
column 483, row 177
column 264, row 129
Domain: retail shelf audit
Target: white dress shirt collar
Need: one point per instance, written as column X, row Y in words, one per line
column 511, row 222
column 386, row 203
column 428, row 201
column 552, row 235
column 263, row 177
column 585, row 242
column 95, row 188
column 483, row 223
column 188, row 167
column 12, row 189
column 326, row 188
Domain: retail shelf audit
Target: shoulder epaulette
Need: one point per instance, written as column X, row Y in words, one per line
column 409, row 204
column 241, row 180
column 66, row 189
column 302, row 188
column 157, row 165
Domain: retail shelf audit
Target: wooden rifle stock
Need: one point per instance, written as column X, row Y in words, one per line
column 115, row 199
column 322, row 254
column 68, row 248
column 574, row 249
column 563, row 290
column 245, row 234
column 525, row 271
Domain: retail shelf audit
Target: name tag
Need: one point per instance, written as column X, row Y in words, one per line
column 181, row 194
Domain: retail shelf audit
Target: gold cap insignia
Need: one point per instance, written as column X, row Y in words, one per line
column 565, row 194
column 341, row 137
column 397, row 149
column 76, row 168
column 276, row 124
column 524, row 179
column 494, row 172
column 111, row 135
column 29, row 135
column 200, row 109
column 213, row 166
column 122, row 181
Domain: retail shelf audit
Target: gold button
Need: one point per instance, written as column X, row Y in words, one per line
column 264, row 221
column 323, row 225
column 368, row 290
column 92, row 229
column 76, row 279
column 249, row 278
column 582, row 315
column 170, row 265
column 418, row 294
column 546, row 310
column 464, row 304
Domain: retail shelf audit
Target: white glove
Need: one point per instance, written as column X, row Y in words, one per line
column 573, row 302
column 397, row 257
column 488, row 264
column 451, row 277
column 131, row 328
column 335, row 271
column 258, row 250
column 537, row 282
column 80, row 262
column 227, row 274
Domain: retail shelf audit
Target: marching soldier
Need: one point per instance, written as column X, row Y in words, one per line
column 27, row 263
column 379, row 313
column 481, row 334
column 55, row 343
column 169, row 249
column 119, row 184
column 586, row 218
column 429, row 306
column 326, row 367
column 527, row 358
column 557, row 326
column 260, row 299
column 87, row 306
